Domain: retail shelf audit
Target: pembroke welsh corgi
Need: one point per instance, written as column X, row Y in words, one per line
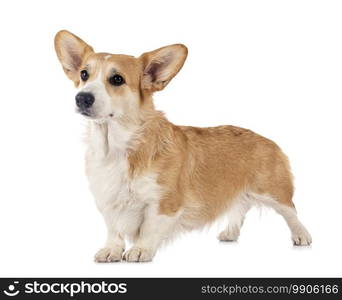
column 152, row 179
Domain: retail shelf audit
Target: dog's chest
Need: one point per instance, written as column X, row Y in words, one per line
column 107, row 168
column 109, row 182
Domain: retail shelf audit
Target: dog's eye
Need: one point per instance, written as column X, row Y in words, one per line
column 116, row 80
column 84, row 75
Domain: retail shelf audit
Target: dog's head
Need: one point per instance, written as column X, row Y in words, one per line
column 113, row 86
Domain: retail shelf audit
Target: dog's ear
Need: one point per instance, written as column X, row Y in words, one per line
column 71, row 51
column 161, row 65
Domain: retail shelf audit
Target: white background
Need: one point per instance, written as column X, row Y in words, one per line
column 271, row 66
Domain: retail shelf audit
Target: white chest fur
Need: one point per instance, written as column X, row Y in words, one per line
column 120, row 199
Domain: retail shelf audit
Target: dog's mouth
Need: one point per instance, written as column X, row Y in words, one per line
column 90, row 115
column 85, row 112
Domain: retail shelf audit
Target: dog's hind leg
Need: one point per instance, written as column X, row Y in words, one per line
column 299, row 234
column 236, row 216
column 285, row 207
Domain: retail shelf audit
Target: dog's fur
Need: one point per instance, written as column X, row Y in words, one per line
column 151, row 178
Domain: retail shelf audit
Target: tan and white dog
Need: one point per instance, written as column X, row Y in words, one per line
column 151, row 178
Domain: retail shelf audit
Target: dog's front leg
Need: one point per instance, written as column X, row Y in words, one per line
column 114, row 247
column 155, row 228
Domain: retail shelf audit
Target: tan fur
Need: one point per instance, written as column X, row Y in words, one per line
column 211, row 166
column 201, row 171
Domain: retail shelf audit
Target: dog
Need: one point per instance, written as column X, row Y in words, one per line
column 152, row 179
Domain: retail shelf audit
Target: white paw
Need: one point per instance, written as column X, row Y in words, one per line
column 137, row 254
column 109, row 255
column 229, row 235
column 301, row 238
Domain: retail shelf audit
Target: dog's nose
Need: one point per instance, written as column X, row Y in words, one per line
column 84, row 100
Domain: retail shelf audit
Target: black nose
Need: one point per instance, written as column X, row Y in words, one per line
column 84, row 100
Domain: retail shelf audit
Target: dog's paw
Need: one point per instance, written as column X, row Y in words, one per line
column 109, row 255
column 137, row 254
column 301, row 238
column 228, row 235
